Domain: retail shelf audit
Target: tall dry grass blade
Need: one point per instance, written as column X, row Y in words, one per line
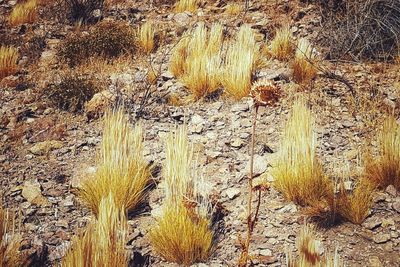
column 303, row 66
column 146, row 37
column 23, row 13
column 282, row 44
column 8, row 61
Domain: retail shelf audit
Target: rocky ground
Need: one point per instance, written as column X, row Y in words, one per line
column 45, row 152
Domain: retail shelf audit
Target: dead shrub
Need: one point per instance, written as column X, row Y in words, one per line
column 361, row 28
column 82, row 10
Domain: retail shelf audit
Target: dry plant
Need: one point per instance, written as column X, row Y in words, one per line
column 122, row 169
column 183, row 233
column 309, row 252
column 186, row 5
column 103, row 242
column 298, row 173
column 385, row 170
column 282, row 44
column 264, row 93
column 146, row 37
column 10, row 243
column 233, row 9
column 8, row 61
column 303, row 68
column 196, row 59
column 355, row 206
column 242, row 58
column 23, row 13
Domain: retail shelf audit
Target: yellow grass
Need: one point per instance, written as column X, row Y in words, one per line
column 241, row 60
column 103, row 243
column 303, row 68
column 309, row 252
column 8, row 61
column 122, row 169
column 23, row 13
column 9, row 242
column 196, row 59
column 233, row 9
column 183, row 233
column 146, row 37
column 385, row 170
column 298, row 173
column 355, row 206
column 282, row 44
column 186, row 5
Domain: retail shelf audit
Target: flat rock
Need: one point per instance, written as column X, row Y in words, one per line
column 381, row 238
column 44, row 147
column 232, row 193
column 396, row 205
column 259, row 167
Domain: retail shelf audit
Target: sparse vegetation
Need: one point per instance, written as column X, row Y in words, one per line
column 146, row 37
column 298, row 173
column 385, row 169
column 282, row 44
column 25, row 12
column 303, row 68
column 183, row 233
column 186, row 5
column 8, row 61
column 121, row 169
column 103, row 242
column 108, row 39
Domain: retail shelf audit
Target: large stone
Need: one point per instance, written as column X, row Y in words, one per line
column 99, row 103
column 44, row 147
column 32, row 192
column 259, row 167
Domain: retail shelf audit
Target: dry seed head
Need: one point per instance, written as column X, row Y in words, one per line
column 265, row 92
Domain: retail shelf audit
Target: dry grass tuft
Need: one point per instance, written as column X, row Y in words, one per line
column 122, row 169
column 9, row 243
column 186, row 5
column 183, row 234
column 23, row 13
column 298, row 174
column 233, row 9
column 355, row 206
column 303, row 68
column 196, row 59
column 242, row 58
column 309, row 252
column 103, row 243
column 146, row 37
column 282, row 44
column 385, row 170
column 8, row 61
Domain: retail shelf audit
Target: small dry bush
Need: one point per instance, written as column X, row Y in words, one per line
column 242, row 59
column 103, row 242
column 186, row 5
column 10, row 243
column 23, row 13
column 309, row 249
column 82, row 10
column 385, row 169
column 108, row 39
column 303, row 68
column 282, row 44
column 8, row 61
column 233, row 9
column 146, row 37
column 183, row 233
column 359, row 29
column 122, row 170
column 298, row 173
column 72, row 91
column 196, row 60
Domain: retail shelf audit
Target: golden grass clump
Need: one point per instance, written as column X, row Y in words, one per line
column 23, row 13
column 10, row 243
column 186, row 5
column 385, row 170
column 233, row 9
column 196, row 59
column 122, row 169
column 242, row 58
column 298, row 173
column 355, row 206
column 303, row 68
column 309, row 252
column 282, row 44
column 103, row 242
column 183, row 233
column 8, row 61
column 146, row 37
